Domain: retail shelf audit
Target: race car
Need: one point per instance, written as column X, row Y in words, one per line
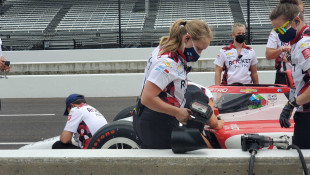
column 248, row 109
column 245, row 108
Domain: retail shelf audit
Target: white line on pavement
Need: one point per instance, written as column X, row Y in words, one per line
column 15, row 143
column 25, row 115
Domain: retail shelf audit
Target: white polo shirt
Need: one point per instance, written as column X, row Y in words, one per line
column 301, row 63
column 84, row 121
column 275, row 43
column 167, row 72
column 237, row 68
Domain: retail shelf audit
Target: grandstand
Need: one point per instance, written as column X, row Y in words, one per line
column 68, row 24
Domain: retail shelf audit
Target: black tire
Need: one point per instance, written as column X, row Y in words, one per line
column 115, row 135
column 127, row 112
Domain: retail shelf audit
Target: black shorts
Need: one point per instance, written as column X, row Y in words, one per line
column 154, row 129
column 301, row 136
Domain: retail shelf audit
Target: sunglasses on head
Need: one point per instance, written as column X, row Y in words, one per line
column 281, row 30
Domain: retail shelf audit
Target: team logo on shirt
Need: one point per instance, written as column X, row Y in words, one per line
column 306, row 53
column 183, row 84
column 159, row 68
column 69, row 117
column 167, row 64
column 303, row 45
column 244, row 62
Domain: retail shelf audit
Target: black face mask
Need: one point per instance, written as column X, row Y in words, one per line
column 240, row 38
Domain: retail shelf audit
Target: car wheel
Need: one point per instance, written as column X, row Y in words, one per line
column 116, row 135
column 127, row 112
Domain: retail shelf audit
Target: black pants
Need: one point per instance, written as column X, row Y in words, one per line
column 60, row 145
column 301, row 136
column 154, row 129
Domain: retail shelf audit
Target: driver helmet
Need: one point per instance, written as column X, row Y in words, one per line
column 256, row 101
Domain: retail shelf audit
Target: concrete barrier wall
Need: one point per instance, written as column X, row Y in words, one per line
column 92, row 85
column 150, row 162
column 102, row 54
column 117, row 66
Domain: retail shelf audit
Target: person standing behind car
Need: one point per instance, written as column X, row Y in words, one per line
column 237, row 60
column 288, row 21
column 161, row 107
column 83, row 121
column 279, row 51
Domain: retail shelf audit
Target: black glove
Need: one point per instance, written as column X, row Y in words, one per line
column 287, row 112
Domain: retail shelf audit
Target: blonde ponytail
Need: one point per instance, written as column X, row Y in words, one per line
column 197, row 29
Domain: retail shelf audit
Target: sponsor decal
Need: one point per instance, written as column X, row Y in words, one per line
column 229, row 54
column 272, row 98
column 161, row 67
column 306, row 53
column 248, row 90
column 279, row 90
column 166, row 71
column 179, row 67
column 69, row 117
column 218, row 89
column 167, row 64
column 234, row 127
column 303, row 45
column 91, row 110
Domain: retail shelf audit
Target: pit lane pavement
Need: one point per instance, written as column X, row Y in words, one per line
column 33, row 119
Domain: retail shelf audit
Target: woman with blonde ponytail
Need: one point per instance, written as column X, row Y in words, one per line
column 288, row 22
column 161, row 105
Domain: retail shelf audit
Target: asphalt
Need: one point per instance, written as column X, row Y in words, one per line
column 31, row 120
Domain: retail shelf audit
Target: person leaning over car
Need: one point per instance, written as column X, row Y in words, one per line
column 3, row 66
column 83, row 121
column 237, row 60
column 288, row 21
column 161, row 107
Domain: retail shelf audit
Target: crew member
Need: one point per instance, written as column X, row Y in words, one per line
column 83, row 121
column 279, row 51
column 237, row 60
column 161, row 107
column 288, row 21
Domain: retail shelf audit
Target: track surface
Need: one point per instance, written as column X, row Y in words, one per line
column 31, row 120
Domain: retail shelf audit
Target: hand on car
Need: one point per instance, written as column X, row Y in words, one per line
column 287, row 112
column 182, row 115
column 220, row 124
